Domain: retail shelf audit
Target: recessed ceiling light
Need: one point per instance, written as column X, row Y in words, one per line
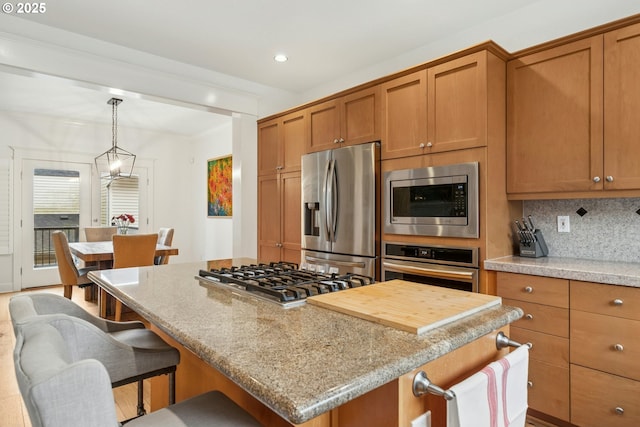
column 281, row 57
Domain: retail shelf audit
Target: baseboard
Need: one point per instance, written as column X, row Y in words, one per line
column 6, row 287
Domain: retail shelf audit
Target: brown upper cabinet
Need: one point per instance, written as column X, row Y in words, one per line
column 282, row 143
column 348, row 120
column 572, row 118
column 442, row 108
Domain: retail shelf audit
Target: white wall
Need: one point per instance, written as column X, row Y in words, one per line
column 212, row 237
column 179, row 164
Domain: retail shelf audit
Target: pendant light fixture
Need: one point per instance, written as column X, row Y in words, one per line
column 116, row 161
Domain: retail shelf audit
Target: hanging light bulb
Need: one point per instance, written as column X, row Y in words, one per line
column 116, row 162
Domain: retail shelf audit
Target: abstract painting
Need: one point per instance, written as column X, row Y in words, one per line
column 219, row 190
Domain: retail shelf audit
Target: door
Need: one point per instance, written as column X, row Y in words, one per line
column 315, row 185
column 354, row 188
column 55, row 196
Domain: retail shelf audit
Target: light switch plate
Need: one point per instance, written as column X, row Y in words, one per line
column 563, row 224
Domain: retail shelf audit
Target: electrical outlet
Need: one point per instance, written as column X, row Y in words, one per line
column 423, row 420
column 563, row 224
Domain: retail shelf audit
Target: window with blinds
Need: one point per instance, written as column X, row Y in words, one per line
column 5, row 206
column 119, row 196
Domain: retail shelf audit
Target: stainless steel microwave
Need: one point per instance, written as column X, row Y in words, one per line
column 432, row 201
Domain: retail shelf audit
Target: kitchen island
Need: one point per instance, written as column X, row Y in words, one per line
column 299, row 365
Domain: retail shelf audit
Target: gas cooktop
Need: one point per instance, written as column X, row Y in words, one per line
column 282, row 282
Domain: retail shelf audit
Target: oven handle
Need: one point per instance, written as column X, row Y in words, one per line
column 342, row 263
column 465, row 276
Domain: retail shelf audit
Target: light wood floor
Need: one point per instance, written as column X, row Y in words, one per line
column 12, row 410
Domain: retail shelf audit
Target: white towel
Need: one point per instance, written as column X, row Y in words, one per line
column 494, row 397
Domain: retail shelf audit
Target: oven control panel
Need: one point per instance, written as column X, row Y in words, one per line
column 442, row 254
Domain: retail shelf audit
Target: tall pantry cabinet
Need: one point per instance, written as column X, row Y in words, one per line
column 281, row 143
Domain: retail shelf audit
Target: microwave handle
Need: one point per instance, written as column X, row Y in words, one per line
column 465, row 276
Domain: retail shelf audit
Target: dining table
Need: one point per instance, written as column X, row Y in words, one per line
column 101, row 253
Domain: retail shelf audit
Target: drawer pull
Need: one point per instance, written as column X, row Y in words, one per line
column 618, row 347
column 617, row 301
column 528, row 289
column 530, row 384
column 528, row 316
column 619, row 410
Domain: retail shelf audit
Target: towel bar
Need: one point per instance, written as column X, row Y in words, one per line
column 422, row 385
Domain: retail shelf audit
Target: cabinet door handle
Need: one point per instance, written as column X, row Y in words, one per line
column 528, row 289
column 341, row 140
column 421, row 145
column 617, row 302
column 618, row 347
column 619, row 410
column 528, row 316
column 335, row 141
column 530, row 384
column 596, row 179
column 609, row 178
column 429, row 144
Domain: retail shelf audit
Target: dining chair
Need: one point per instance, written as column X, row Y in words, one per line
column 165, row 237
column 129, row 351
column 132, row 250
column 70, row 274
column 62, row 388
column 99, row 234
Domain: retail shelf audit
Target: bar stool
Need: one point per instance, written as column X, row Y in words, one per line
column 61, row 390
column 129, row 351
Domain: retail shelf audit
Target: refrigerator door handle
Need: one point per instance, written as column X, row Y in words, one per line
column 334, row 202
column 325, row 192
column 330, row 200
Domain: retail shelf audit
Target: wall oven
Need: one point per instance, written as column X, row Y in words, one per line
column 446, row 266
column 432, row 201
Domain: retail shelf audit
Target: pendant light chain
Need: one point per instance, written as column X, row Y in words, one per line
column 114, row 123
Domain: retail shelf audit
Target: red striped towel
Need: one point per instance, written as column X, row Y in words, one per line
column 496, row 396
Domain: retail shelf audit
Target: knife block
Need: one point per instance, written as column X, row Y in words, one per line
column 535, row 249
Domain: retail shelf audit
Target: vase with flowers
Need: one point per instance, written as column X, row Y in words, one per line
column 123, row 221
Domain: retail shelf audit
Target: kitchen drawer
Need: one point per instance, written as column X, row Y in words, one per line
column 612, row 300
column 541, row 290
column 546, row 348
column 594, row 338
column 542, row 318
column 549, row 389
column 595, row 396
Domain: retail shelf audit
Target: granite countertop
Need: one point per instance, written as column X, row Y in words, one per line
column 608, row 272
column 301, row 361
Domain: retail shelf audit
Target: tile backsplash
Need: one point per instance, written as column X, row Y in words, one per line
column 609, row 230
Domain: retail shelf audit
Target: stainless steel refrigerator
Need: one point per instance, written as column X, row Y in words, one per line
column 340, row 201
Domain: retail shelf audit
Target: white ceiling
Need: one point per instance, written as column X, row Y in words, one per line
column 324, row 40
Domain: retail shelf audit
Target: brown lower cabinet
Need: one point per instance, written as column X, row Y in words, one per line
column 584, row 362
column 599, row 399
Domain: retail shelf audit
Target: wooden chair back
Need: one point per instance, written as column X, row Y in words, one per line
column 134, row 250
column 66, row 267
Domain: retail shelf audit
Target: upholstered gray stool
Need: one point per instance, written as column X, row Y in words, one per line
column 60, row 390
column 129, row 351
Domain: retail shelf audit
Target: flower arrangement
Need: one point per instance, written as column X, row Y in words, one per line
column 123, row 221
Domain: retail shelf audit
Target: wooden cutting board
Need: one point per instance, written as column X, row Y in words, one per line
column 411, row 307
